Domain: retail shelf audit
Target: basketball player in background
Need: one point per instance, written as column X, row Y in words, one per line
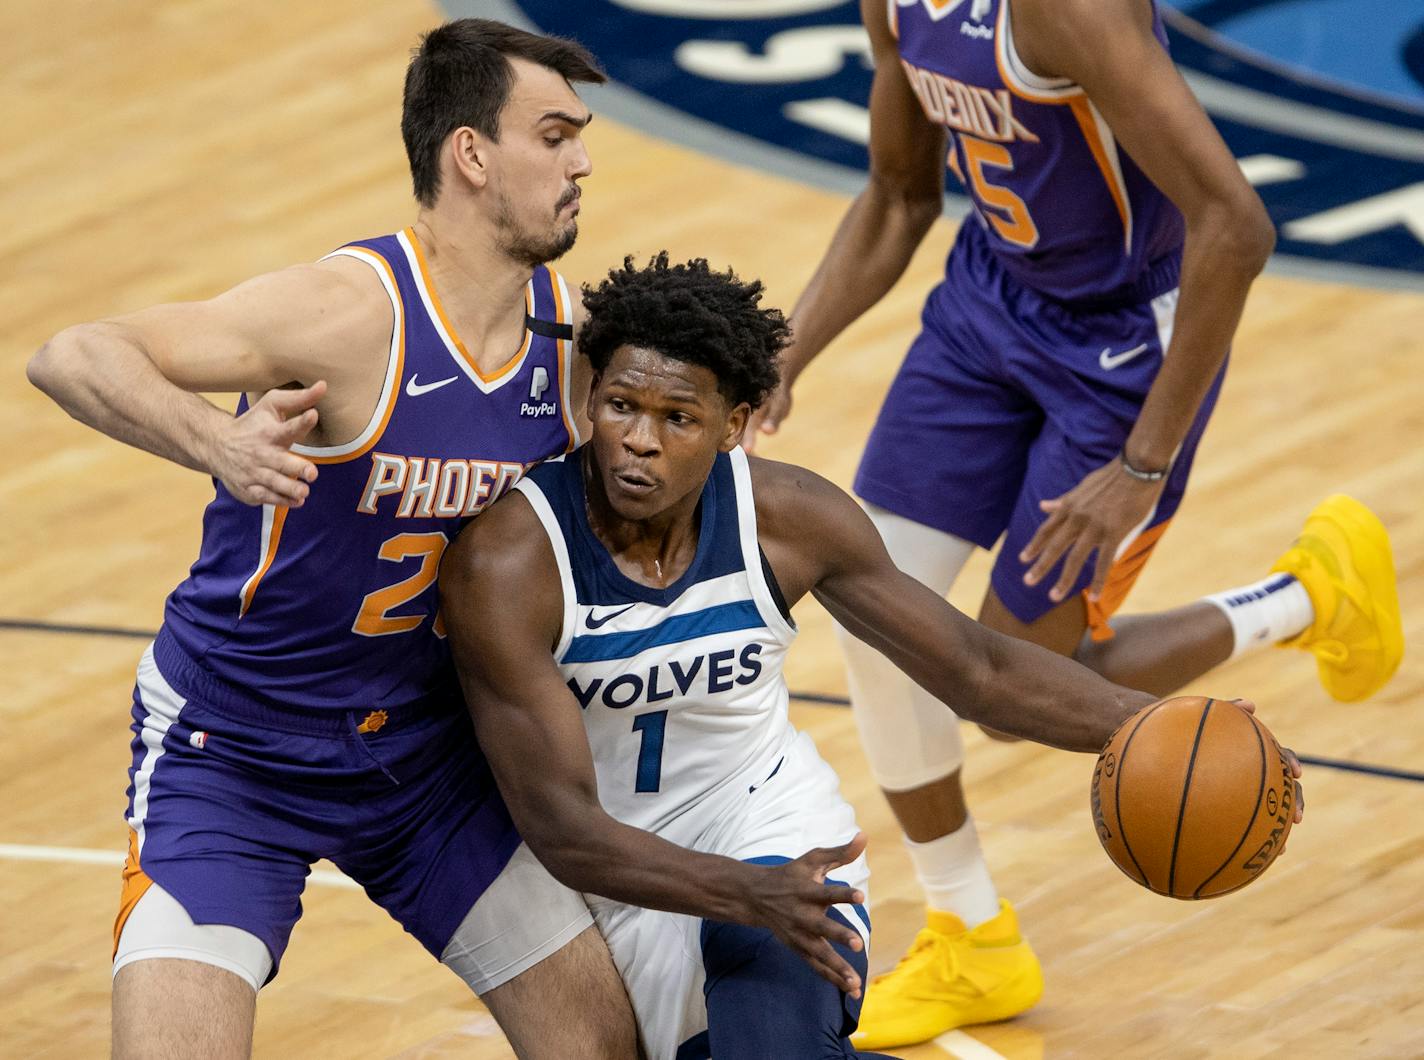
column 619, row 624
column 1066, row 370
column 299, row 701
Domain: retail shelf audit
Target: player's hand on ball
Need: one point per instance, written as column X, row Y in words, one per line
column 254, row 457
column 1291, row 760
column 792, row 900
column 1094, row 516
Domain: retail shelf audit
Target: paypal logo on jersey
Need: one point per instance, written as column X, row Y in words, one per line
column 698, row 677
column 534, row 407
column 1336, row 153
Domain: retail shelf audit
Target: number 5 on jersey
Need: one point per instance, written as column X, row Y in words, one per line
column 1014, row 224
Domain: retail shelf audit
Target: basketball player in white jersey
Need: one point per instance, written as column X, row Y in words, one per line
column 619, row 623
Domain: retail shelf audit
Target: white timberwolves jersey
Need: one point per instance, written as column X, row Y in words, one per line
column 685, row 707
column 681, row 688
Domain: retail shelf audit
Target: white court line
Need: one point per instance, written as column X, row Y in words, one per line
column 84, row 856
column 966, row 1048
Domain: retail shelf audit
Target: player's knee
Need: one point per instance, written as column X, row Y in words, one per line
column 765, row 1000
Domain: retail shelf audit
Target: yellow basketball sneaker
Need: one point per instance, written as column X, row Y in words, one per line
column 1342, row 558
column 951, row 977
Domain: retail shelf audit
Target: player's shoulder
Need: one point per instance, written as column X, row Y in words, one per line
column 789, row 496
column 504, row 537
column 339, row 295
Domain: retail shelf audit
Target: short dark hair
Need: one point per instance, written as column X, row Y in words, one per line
column 460, row 75
column 692, row 314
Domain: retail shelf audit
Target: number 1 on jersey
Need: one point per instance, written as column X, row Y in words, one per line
column 650, row 754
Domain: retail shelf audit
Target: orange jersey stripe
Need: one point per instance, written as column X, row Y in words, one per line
column 135, row 886
column 1083, row 113
column 279, row 519
column 1122, row 576
column 508, row 365
column 565, row 350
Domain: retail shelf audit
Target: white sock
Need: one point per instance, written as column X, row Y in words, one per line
column 955, row 877
column 1265, row 613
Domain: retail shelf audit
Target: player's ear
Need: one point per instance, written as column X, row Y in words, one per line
column 592, row 390
column 469, row 151
column 737, row 421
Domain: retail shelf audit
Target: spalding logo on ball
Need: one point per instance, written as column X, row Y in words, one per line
column 1193, row 797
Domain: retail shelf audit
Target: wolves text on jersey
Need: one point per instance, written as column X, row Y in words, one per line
column 715, row 672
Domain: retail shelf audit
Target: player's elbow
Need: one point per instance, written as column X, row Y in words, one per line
column 916, row 204
column 44, row 368
column 1243, row 232
column 1254, row 232
column 566, row 851
column 59, row 362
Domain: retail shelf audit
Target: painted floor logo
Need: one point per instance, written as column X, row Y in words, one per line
column 784, row 83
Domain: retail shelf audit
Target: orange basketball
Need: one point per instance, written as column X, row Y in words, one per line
column 1192, row 797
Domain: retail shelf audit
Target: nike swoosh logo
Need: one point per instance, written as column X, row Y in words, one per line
column 415, row 389
column 1109, row 360
column 594, row 622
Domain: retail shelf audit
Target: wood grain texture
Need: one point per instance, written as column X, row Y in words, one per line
column 160, row 151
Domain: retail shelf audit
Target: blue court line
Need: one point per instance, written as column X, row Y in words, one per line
column 24, row 626
column 1305, row 760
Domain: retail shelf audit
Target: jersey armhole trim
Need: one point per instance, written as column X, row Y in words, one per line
column 395, row 364
column 563, row 311
column 1021, row 80
column 535, row 496
column 751, row 549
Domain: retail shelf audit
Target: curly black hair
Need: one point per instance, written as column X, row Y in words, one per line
column 691, row 314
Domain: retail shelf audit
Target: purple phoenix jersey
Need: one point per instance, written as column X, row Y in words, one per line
column 1066, row 211
column 333, row 605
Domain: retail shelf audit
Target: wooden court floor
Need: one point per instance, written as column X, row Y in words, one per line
column 160, row 151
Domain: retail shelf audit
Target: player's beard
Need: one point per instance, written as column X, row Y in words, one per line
column 535, row 248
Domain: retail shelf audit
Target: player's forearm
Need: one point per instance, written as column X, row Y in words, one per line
column 871, row 249
column 1226, row 248
column 1032, row 692
column 104, row 379
column 594, row 853
column 984, row 676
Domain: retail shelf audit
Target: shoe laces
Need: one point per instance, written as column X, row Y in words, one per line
column 1331, row 651
column 929, row 948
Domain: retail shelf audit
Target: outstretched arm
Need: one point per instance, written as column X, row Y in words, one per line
column 501, row 600
column 136, row 377
column 986, row 677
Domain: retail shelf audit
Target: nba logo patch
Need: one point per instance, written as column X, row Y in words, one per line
column 198, row 740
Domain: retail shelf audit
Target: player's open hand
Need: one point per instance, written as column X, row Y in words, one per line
column 792, row 900
column 768, row 418
column 254, row 457
column 1093, row 517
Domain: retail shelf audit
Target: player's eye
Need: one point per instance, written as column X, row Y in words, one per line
column 553, row 141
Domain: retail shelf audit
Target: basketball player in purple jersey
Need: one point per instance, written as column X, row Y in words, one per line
column 299, row 701
column 1064, row 374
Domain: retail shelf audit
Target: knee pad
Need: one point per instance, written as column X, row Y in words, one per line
column 910, row 738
